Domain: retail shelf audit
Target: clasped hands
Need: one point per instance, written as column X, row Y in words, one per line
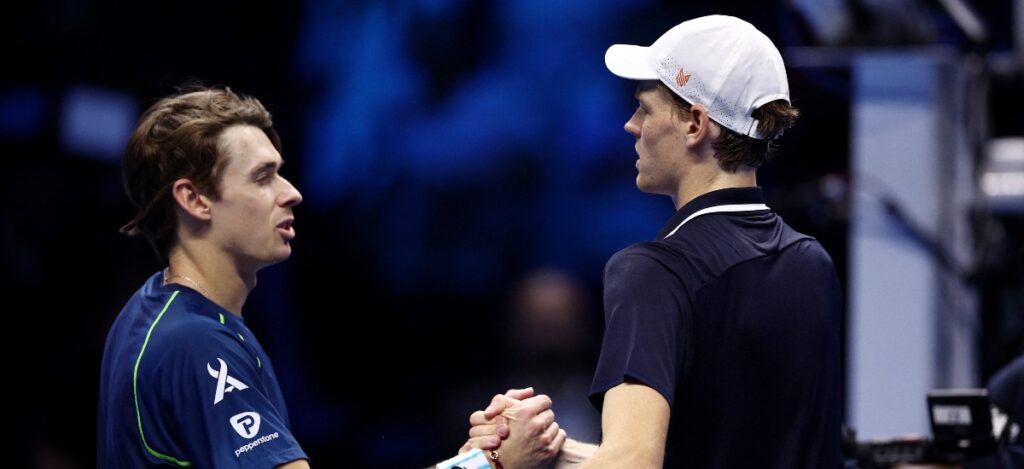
column 517, row 429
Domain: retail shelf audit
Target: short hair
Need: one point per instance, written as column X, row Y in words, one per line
column 177, row 138
column 733, row 150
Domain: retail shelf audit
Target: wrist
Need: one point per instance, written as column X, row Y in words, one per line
column 493, row 457
column 574, row 453
column 472, row 458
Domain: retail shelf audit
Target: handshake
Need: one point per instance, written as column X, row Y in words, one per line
column 517, row 430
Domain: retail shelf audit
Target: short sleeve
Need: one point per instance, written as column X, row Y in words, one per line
column 217, row 399
column 647, row 325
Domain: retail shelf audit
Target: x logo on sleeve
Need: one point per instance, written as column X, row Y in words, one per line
column 225, row 383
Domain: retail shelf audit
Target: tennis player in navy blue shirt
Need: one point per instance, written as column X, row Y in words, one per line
column 184, row 383
column 721, row 342
column 733, row 320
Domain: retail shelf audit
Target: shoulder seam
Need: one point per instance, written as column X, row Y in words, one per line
column 762, row 256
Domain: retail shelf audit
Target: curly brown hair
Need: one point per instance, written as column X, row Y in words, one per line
column 177, row 138
column 733, row 150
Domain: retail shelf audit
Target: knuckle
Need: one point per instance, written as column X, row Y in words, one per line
column 545, row 417
column 476, row 418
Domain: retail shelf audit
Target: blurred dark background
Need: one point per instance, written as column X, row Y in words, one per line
column 465, row 174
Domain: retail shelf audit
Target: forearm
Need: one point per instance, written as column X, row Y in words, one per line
column 608, row 457
column 634, row 423
column 573, row 454
column 579, row 455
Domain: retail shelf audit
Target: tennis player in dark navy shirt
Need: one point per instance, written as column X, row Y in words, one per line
column 733, row 320
column 184, row 383
column 721, row 343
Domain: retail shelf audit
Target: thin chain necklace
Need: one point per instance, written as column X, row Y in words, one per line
column 168, row 276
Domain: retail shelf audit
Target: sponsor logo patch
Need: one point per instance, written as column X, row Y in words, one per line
column 682, row 78
column 246, row 424
column 225, row 383
column 254, row 443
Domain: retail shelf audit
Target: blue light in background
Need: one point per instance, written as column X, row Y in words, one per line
column 523, row 92
column 356, row 59
column 22, row 112
column 96, row 123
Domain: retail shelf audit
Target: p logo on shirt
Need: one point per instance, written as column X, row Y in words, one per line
column 246, row 424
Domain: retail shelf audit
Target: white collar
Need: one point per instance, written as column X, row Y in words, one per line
column 720, row 208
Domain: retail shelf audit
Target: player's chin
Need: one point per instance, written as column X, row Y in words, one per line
column 644, row 184
column 279, row 254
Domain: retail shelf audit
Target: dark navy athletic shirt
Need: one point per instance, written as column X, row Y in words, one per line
column 185, row 384
column 1006, row 391
column 734, row 318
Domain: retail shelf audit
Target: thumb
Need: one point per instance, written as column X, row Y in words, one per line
column 520, row 394
column 497, row 405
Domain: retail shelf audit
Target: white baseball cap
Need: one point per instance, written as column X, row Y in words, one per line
column 722, row 62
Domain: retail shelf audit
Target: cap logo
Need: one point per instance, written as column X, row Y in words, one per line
column 682, row 78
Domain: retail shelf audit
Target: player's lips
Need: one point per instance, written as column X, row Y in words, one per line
column 285, row 228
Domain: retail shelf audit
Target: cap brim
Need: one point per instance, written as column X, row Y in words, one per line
column 629, row 61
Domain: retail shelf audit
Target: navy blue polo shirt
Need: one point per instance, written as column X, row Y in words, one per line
column 1006, row 391
column 734, row 318
column 184, row 383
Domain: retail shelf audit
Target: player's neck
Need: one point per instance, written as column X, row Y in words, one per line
column 212, row 274
column 698, row 183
